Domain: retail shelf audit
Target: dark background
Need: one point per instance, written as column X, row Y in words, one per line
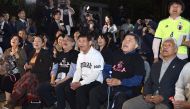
column 134, row 9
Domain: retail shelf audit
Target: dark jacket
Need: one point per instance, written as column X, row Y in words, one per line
column 6, row 33
column 20, row 61
column 129, row 68
column 20, row 25
column 42, row 66
column 52, row 29
column 166, row 87
column 27, row 47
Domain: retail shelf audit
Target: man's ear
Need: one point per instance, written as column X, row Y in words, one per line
column 73, row 44
column 136, row 46
column 90, row 42
column 176, row 49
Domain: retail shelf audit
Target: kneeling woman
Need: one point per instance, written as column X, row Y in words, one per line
column 38, row 73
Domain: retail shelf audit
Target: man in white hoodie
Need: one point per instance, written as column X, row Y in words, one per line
column 88, row 73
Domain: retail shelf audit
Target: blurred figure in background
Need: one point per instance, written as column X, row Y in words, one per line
column 109, row 26
column 21, row 23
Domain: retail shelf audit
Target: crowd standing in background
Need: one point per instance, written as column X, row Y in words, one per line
column 90, row 66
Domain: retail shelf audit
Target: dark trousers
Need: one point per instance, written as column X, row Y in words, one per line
column 118, row 96
column 1, row 79
column 80, row 97
column 61, row 94
column 8, row 82
column 45, row 92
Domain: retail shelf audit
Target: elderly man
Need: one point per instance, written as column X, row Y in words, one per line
column 126, row 79
column 161, row 83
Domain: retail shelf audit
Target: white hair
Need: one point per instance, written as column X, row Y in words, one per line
column 171, row 40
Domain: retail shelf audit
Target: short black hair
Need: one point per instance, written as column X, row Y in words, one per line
column 24, row 30
column 55, row 12
column 20, row 10
column 180, row 2
column 83, row 35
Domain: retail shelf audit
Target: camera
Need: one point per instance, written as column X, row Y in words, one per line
column 143, row 23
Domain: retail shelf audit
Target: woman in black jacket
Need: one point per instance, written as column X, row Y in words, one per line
column 104, row 48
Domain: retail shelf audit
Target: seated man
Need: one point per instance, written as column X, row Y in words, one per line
column 182, row 89
column 87, row 76
column 127, row 77
column 161, row 83
column 61, row 74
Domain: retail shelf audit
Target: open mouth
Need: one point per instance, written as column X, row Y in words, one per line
column 125, row 46
column 81, row 46
column 36, row 45
column 165, row 51
column 99, row 43
column 174, row 11
column 13, row 42
column 64, row 44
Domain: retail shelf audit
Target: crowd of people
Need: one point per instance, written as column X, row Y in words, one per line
column 91, row 66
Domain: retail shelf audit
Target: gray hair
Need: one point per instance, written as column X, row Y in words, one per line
column 171, row 40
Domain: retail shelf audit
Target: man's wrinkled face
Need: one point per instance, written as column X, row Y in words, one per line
column 168, row 49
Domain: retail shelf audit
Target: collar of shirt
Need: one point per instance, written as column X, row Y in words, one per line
column 177, row 18
column 22, row 20
column 2, row 25
column 169, row 61
column 89, row 52
column 57, row 21
column 131, row 52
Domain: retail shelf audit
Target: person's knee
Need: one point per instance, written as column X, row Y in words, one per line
column 80, row 91
column 43, row 88
column 127, row 105
column 93, row 94
column 59, row 88
column 68, row 89
column 121, row 97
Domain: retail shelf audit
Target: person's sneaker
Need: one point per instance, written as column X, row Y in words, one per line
column 8, row 106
